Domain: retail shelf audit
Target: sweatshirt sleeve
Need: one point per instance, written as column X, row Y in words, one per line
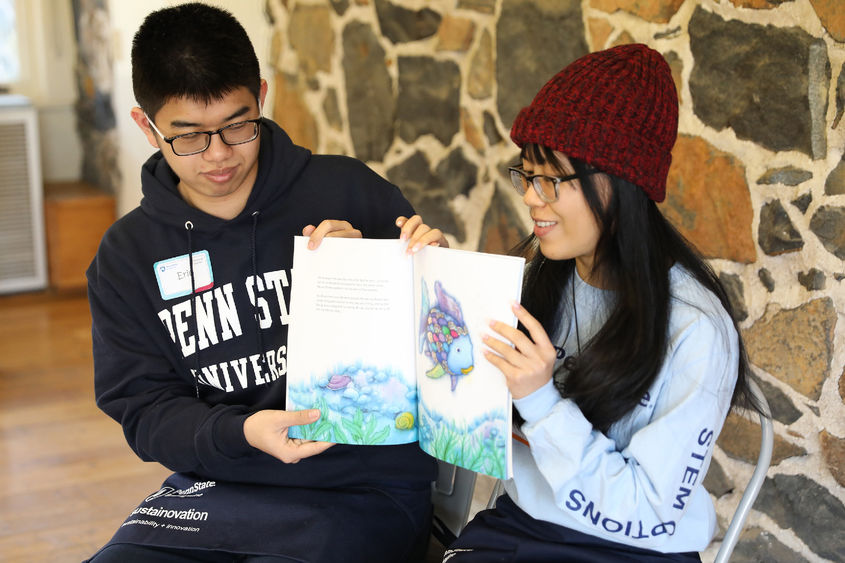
column 651, row 481
column 134, row 383
column 366, row 199
column 381, row 211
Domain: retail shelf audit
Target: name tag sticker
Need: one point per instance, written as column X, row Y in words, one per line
column 174, row 275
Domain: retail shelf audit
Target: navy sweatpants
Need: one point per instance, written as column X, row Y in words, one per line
column 506, row 534
column 239, row 522
column 128, row 553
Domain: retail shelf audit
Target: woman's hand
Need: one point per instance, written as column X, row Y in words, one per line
column 528, row 365
column 267, row 430
column 418, row 234
column 329, row 228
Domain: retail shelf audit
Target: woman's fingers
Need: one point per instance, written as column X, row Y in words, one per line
column 418, row 234
column 526, row 361
column 534, row 327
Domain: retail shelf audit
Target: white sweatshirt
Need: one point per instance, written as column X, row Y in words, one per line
column 641, row 483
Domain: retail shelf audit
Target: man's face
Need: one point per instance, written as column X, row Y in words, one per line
column 219, row 179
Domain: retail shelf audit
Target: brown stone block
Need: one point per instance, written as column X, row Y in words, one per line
column 482, row 69
column 833, row 450
column 292, row 113
column 471, row 131
column 707, row 199
column 795, row 345
column 832, row 16
column 455, row 34
column 624, row 38
column 659, row 11
column 312, row 38
column 599, row 31
column 740, row 439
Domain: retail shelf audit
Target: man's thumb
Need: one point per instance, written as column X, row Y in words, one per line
column 307, row 416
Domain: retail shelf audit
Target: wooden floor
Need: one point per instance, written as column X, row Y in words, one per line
column 67, row 477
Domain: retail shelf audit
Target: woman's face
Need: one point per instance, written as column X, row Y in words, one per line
column 566, row 228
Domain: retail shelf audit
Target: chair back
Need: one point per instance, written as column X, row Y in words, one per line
column 451, row 496
column 756, row 482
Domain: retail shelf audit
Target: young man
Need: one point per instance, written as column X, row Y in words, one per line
column 188, row 297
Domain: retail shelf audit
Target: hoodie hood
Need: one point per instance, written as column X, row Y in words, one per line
column 280, row 162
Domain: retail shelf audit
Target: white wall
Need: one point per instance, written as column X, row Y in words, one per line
column 48, row 52
column 48, row 55
column 126, row 18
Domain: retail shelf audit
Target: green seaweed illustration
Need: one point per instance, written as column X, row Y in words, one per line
column 358, row 430
column 365, row 431
column 467, row 449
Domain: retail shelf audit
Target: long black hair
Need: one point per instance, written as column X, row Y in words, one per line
column 636, row 248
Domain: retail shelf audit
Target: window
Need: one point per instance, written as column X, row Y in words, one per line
column 10, row 68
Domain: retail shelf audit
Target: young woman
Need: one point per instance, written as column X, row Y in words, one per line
column 627, row 359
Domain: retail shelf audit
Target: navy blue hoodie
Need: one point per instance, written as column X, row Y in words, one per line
column 181, row 374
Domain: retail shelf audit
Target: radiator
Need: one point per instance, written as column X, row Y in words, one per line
column 23, row 264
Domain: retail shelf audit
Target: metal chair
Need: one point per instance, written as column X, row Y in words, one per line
column 452, row 493
column 757, row 478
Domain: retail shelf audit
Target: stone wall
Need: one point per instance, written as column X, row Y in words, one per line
column 425, row 92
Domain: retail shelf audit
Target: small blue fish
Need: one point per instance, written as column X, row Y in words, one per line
column 444, row 337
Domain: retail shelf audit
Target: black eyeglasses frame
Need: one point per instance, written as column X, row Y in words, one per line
column 169, row 140
column 518, row 175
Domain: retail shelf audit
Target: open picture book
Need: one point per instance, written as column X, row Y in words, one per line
column 388, row 346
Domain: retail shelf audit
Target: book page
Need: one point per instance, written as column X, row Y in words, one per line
column 350, row 341
column 465, row 405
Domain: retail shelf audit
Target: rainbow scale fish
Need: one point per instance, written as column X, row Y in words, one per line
column 444, row 338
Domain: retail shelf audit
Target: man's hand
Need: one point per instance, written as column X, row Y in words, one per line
column 329, row 228
column 267, row 431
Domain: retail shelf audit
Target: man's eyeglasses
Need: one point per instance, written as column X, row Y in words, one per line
column 198, row 141
column 547, row 187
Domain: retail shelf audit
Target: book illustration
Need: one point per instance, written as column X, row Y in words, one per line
column 386, row 346
column 443, row 335
column 479, row 442
column 453, row 425
column 358, row 404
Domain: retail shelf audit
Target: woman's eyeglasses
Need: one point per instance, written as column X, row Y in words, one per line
column 547, row 187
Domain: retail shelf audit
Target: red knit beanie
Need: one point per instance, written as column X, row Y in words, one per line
column 615, row 109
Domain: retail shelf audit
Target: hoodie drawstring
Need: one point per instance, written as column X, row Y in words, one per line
column 261, row 355
column 190, row 227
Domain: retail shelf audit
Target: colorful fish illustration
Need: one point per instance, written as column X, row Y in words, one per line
column 443, row 335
